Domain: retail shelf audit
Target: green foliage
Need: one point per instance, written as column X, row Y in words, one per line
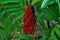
column 11, row 14
column 11, row 19
column 49, row 10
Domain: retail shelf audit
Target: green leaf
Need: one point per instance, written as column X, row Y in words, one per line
column 58, row 1
column 2, row 12
column 22, row 36
column 47, row 2
column 35, row 1
column 57, row 30
column 46, row 17
column 52, row 36
column 26, row 37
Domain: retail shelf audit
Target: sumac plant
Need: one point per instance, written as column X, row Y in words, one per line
column 19, row 21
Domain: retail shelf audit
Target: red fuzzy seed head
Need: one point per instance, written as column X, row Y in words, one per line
column 29, row 21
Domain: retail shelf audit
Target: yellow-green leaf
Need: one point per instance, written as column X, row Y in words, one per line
column 35, row 1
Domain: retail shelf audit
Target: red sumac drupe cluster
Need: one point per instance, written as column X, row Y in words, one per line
column 29, row 21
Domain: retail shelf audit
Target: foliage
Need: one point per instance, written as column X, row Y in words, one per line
column 11, row 19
